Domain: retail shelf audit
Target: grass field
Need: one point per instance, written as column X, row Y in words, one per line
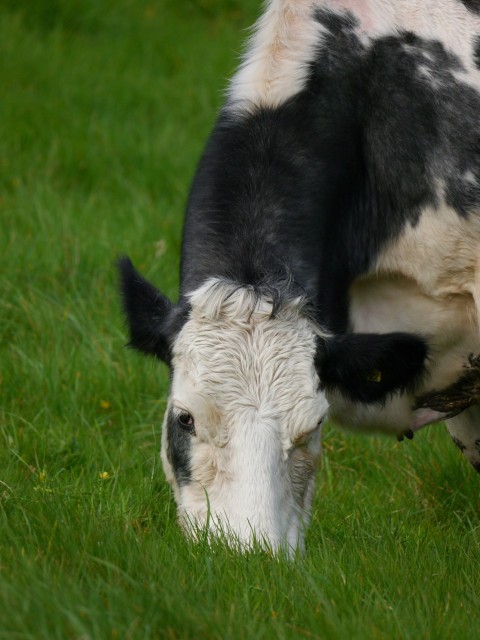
column 104, row 108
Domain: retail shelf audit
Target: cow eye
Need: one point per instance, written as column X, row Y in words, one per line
column 186, row 421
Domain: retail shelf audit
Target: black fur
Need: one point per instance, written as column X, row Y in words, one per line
column 368, row 367
column 153, row 320
column 472, row 5
column 476, row 52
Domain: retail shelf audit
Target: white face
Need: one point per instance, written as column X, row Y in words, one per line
column 241, row 437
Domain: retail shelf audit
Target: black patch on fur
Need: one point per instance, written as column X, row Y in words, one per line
column 459, row 443
column 472, row 5
column 152, row 319
column 476, row 466
column 179, row 450
column 476, row 52
column 350, row 364
column 477, row 444
column 315, row 188
column 340, row 25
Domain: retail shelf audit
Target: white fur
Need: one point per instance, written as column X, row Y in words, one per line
column 250, row 383
column 287, row 37
column 275, row 66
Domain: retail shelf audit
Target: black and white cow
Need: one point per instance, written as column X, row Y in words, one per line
column 330, row 256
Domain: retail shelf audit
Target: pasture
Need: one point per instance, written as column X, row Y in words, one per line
column 105, row 109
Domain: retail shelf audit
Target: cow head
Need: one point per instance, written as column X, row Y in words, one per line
column 249, row 374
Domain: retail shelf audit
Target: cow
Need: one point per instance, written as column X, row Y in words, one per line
column 330, row 260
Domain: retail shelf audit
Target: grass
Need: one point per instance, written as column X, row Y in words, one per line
column 105, row 107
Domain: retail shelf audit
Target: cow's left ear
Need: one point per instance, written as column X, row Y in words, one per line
column 367, row 367
column 153, row 320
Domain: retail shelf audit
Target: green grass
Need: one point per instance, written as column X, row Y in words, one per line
column 104, row 108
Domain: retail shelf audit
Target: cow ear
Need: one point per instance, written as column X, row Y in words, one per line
column 153, row 320
column 368, row 367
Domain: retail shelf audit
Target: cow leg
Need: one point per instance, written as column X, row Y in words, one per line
column 465, row 432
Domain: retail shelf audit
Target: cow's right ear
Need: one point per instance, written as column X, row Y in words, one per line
column 153, row 320
column 369, row 367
